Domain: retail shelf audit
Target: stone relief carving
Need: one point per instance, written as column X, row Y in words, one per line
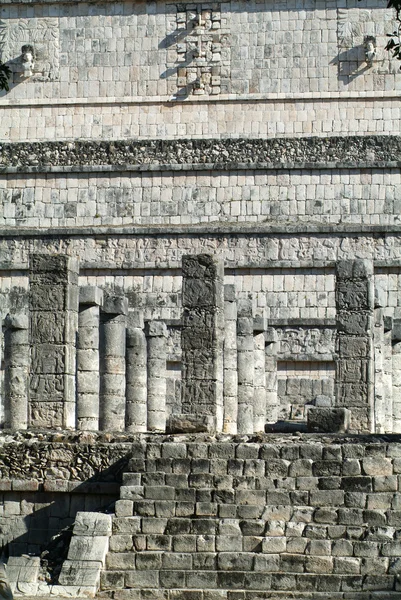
column 42, row 35
column 46, row 414
column 302, row 340
column 355, row 26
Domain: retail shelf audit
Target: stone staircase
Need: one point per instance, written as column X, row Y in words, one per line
column 247, row 520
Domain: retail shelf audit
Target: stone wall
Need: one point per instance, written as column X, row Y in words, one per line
column 310, row 516
column 277, row 518
column 162, row 48
column 350, row 196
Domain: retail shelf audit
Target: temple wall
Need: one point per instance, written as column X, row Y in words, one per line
column 326, row 196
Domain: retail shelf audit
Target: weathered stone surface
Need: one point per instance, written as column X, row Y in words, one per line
column 347, row 149
column 201, row 338
column 190, row 423
column 91, row 523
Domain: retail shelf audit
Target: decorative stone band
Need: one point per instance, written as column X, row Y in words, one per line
column 200, row 154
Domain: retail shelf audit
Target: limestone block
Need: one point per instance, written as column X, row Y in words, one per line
column 93, row 548
column 92, row 524
column 91, row 295
column 330, row 420
column 16, row 321
column 79, row 573
column 74, row 591
column 115, row 305
column 190, row 423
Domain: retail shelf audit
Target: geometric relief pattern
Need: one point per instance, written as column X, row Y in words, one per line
column 202, row 52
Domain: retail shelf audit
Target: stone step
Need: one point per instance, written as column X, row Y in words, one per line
column 240, row 561
column 208, row 594
column 251, row 580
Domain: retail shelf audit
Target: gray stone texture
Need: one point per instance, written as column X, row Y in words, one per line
column 112, row 364
column 354, row 366
column 90, row 300
column 296, row 152
column 245, row 366
column 136, row 391
column 156, row 334
column 53, row 325
column 16, row 367
column 230, row 379
column 202, row 337
column 295, row 516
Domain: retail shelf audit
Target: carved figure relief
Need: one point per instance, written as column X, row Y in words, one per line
column 48, row 327
column 306, row 341
column 46, row 414
column 40, row 35
column 355, row 26
column 48, row 358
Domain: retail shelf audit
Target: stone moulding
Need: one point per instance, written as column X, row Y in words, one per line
column 203, row 154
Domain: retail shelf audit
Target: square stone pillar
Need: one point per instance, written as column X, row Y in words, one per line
column 354, row 368
column 202, row 343
column 53, row 328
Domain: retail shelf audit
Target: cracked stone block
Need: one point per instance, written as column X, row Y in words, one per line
column 73, row 591
column 92, row 523
column 80, row 573
column 329, row 420
column 23, row 569
column 26, row 589
column 88, row 548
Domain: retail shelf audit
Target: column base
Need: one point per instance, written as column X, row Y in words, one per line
column 191, row 423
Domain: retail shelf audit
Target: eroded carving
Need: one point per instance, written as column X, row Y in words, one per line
column 301, row 340
column 46, row 414
column 203, row 53
column 42, row 35
column 356, row 30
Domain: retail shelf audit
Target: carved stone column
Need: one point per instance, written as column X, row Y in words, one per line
column 157, row 354
column 53, row 329
column 112, row 364
column 136, row 394
column 202, row 341
column 90, row 301
column 246, row 366
column 230, row 383
column 354, row 372
column 16, row 371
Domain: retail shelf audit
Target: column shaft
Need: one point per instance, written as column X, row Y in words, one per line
column 156, row 373
column 246, row 367
column 16, row 366
column 112, row 364
column 136, row 393
column 230, row 383
column 259, row 406
column 53, row 330
column 202, row 341
column 90, row 299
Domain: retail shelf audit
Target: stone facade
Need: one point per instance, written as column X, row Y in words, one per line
column 200, row 257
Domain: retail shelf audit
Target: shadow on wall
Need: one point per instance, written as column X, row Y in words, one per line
column 40, row 523
column 351, row 64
